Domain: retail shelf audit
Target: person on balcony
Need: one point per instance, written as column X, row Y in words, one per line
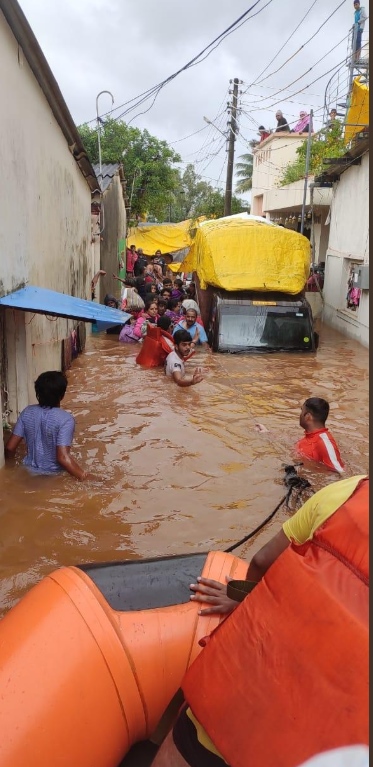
column 303, row 124
column 263, row 133
column 360, row 19
column 282, row 123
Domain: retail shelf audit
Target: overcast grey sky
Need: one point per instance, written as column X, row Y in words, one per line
column 127, row 47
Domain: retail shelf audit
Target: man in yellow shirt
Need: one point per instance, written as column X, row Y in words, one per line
column 298, row 529
column 189, row 743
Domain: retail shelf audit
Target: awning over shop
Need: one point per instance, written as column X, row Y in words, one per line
column 43, row 301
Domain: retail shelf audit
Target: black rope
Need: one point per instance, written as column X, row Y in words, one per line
column 292, row 482
column 254, row 532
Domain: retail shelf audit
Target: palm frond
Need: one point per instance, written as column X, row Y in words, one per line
column 244, row 186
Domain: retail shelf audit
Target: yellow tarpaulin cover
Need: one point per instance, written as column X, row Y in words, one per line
column 239, row 253
column 168, row 238
column 358, row 113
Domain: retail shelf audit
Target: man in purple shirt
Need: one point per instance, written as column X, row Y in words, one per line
column 47, row 430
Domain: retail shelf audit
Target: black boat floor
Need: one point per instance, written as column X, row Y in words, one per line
column 140, row 755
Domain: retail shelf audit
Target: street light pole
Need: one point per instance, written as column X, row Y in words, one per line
column 102, row 216
column 308, row 155
column 232, row 139
column 99, row 126
column 210, row 122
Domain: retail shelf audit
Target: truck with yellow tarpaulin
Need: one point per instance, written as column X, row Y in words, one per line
column 250, row 276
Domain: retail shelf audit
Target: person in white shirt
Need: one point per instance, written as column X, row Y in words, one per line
column 360, row 18
column 174, row 366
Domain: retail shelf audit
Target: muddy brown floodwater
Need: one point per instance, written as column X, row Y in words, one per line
column 177, row 470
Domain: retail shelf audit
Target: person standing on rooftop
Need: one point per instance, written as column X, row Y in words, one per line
column 360, row 18
column 303, row 124
column 282, row 123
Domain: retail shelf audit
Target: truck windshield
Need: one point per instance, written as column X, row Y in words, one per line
column 264, row 327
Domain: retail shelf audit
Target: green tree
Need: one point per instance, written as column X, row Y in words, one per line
column 147, row 162
column 195, row 197
column 244, row 170
column 189, row 195
column 327, row 143
column 213, row 205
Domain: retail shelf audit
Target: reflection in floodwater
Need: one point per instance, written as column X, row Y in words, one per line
column 178, row 470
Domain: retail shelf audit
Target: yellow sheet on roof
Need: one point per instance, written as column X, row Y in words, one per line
column 243, row 254
column 168, row 238
column 358, row 113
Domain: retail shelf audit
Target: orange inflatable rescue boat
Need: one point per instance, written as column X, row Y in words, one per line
column 91, row 657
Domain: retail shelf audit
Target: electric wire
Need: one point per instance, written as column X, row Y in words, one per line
column 307, row 42
column 188, row 136
column 214, row 155
column 304, row 88
column 340, row 63
column 281, row 49
column 214, row 124
column 220, row 113
column 194, row 62
column 221, row 172
column 145, row 95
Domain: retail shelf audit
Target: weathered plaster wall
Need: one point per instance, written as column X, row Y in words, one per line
column 45, row 222
column 114, row 230
column 348, row 244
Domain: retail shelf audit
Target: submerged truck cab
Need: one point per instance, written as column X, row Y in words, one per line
column 244, row 321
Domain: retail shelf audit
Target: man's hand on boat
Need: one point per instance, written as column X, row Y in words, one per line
column 215, row 593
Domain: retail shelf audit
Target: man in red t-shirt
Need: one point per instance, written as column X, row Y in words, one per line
column 318, row 444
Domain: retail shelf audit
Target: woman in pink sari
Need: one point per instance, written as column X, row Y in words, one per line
column 303, row 124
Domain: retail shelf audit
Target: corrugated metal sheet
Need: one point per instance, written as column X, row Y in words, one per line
column 43, row 301
column 108, row 172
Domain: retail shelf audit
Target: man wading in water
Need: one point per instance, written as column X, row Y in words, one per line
column 174, row 366
column 47, row 430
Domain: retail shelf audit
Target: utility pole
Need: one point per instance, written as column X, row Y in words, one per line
column 233, row 130
column 308, row 155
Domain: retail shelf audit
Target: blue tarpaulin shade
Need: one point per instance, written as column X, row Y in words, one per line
column 43, row 301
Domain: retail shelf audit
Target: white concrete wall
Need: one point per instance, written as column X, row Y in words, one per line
column 288, row 200
column 290, row 197
column 45, row 222
column 348, row 244
column 115, row 229
column 270, row 158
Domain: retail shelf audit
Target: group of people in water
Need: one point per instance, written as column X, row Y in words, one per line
column 169, row 305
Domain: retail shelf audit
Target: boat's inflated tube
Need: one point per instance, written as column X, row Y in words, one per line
column 81, row 682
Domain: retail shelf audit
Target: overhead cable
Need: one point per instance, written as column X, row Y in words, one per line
column 281, row 49
column 195, row 60
column 304, row 88
column 188, row 136
column 306, row 43
column 214, row 155
column 288, row 87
